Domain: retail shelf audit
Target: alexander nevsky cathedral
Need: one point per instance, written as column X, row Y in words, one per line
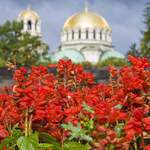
column 85, row 36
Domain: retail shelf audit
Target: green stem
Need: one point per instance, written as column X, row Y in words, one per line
column 26, row 122
column 117, row 122
column 30, row 124
column 142, row 138
column 62, row 138
column 135, row 145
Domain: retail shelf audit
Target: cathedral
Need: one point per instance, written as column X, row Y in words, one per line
column 85, row 36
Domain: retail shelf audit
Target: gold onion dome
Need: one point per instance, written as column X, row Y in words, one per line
column 28, row 13
column 86, row 19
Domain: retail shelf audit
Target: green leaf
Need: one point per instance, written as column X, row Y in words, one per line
column 119, row 128
column 101, row 136
column 15, row 126
column 77, row 132
column 118, row 106
column 106, row 125
column 28, row 143
column 86, row 137
column 6, row 141
column 50, row 140
column 111, row 147
column 12, row 140
column 75, row 146
column 13, row 147
column 88, row 108
column 45, row 145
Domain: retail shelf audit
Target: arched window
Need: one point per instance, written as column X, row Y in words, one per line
column 72, row 35
column 22, row 24
column 100, row 35
column 94, row 34
column 67, row 35
column 29, row 25
column 36, row 25
column 87, row 35
column 79, row 34
column 106, row 36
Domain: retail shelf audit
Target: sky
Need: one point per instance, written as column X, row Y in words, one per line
column 125, row 17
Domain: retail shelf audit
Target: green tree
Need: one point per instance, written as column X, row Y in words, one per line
column 144, row 50
column 113, row 61
column 133, row 51
column 27, row 49
column 145, row 42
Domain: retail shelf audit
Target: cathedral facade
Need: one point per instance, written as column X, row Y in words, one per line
column 85, row 36
column 31, row 22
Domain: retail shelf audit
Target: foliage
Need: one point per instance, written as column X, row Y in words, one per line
column 145, row 42
column 144, row 50
column 27, row 49
column 75, row 145
column 11, row 140
column 2, row 62
column 68, row 111
column 47, row 138
column 113, row 61
column 133, row 51
column 87, row 64
column 77, row 132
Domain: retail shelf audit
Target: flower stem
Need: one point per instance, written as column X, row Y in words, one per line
column 142, row 138
column 30, row 124
column 135, row 145
column 62, row 138
column 26, row 122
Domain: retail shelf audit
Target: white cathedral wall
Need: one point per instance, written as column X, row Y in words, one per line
column 83, row 34
column 91, row 56
column 69, row 35
column 33, row 31
column 39, row 27
column 76, row 34
column 97, row 34
column 102, row 39
column 78, row 44
column 103, row 35
column 91, row 34
column 109, row 37
column 100, row 35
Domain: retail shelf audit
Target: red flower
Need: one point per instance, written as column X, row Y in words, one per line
column 147, row 147
column 52, row 65
column 113, row 71
column 3, row 133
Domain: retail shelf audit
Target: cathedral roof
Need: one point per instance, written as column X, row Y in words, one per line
column 72, row 54
column 28, row 13
column 86, row 19
column 91, row 47
column 109, row 54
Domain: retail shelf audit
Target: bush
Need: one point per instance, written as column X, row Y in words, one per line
column 2, row 62
column 113, row 61
column 67, row 112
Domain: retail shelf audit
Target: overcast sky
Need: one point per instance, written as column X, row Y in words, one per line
column 125, row 17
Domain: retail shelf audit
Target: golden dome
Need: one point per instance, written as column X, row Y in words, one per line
column 28, row 13
column 86, row 20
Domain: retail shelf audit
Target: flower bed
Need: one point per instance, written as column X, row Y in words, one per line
column 67, row 111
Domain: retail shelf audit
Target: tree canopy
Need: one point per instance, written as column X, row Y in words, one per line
column 28, row 49
column 133, row 51
column 145, row 42
column 144, row 50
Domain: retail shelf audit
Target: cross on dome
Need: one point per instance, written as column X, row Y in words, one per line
column 86, row 6
column 28, row 7
column 31, row 21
